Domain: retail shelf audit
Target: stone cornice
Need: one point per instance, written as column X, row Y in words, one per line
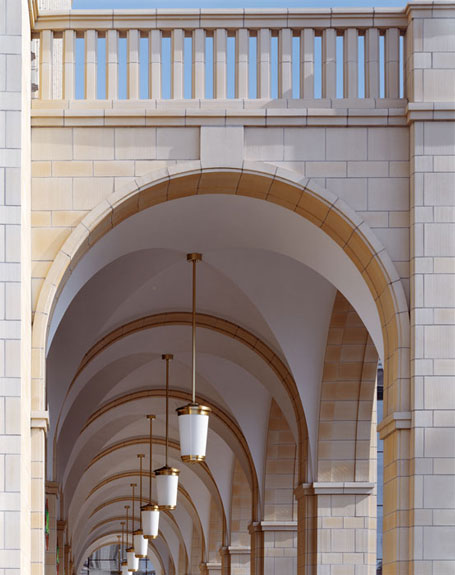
column 363, row 112
column 334, row 488
column 423, row 111
column 393, row 422
column 188, row 19
column 260, row 526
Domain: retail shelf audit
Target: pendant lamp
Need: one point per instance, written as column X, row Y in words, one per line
column 167, row 478
column 193, row 418
column 150, row 513
column 125, row 570
column 120, row 543
column 123, row 563
column 132, row 560
column 140, row 542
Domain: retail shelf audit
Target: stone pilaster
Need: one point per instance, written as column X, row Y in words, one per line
column 274, row 547
column 337, row 528
column 235, row 560
column 52, row 508
column 431, row 89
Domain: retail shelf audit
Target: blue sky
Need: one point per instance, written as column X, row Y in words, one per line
column 232, row 3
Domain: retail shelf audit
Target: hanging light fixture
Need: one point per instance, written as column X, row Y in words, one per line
column 167, row 478
column 119, row 537
column 193, row 418
column 125, row 562
column 150, row 513
column 140, row 542
column 132, row 560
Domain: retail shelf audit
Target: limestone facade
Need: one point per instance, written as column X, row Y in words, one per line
column 327, row 216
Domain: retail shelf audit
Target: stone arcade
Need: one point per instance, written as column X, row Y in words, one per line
column 310, row 156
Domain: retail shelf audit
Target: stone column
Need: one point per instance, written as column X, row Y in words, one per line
column 431, row 91
column 336, row 528
column 15, row 317
column 61, row 526
column 274, row 547
column 52, row 507
column 235, row 560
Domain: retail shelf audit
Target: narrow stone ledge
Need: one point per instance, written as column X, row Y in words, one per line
column 394, row 421
column 40, row 420
column 334, row 488
column 258, row 526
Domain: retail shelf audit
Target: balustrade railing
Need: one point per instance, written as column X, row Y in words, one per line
column 238, row 54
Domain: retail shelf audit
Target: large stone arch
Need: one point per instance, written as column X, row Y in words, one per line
column 267, row 183
column 259, row 180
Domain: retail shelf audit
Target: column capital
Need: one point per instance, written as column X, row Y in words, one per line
column 51, row 488
column 40, row 420
column 334, row 488
column 260, row 526
column 394, row 421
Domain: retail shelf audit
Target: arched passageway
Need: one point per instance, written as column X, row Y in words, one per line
column 285, row 271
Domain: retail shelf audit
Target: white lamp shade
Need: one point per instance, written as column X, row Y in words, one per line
column 132, row 560
column 193, row 427
column 125, row 568
column 167, row 482
column 150, row 521
column 140, row 544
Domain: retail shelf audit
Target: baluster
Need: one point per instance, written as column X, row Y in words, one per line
column 155, row 64
column 133, row 64
column 351, row 63
column 69, row 65
column 372, row 63
column 220, row 63
column 285, row 63
column 307, row 63
column 198, row 63
column 241, row 64
column 263, row 58
column 45, row 68
column 392, row 63
column 91, row 37
column 112, row 65
column 177, row 64
column 329, row 70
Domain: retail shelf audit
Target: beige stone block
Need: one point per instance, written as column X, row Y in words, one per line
column 304, row 144
column 439, row 239
column 52, row 144
column 52, row 194
column 391, row 194
column 438, row 85
column 444, row 265
column 41, row 169
column 46, row 242
column 439, row 290
column 388, row 144
column 93, row 143
column 439, row 189
column 89, row 192
column 67, row 219
column 73, row 168
column 346, row 143
column 444, row 163
column 221, row 146
column 143, row 167
column 438, row 35
column 40, row 219
column 438, row 543
column 177, row 143
column 114, row 168
column 444, row 366
column 264, row 144
column 325, row 169
column 13, row 404
column 440, row 442
column 135, row 143
column 439, row 138
column 376, row 169
column 439, row 392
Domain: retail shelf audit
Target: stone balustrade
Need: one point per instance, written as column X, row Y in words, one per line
column 297, row 54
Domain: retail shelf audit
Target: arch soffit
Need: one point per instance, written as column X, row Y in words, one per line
column 212, row 323
column 94, row 491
